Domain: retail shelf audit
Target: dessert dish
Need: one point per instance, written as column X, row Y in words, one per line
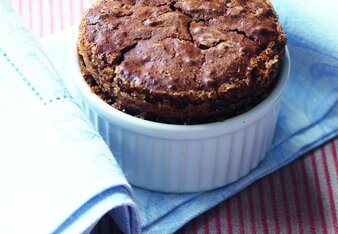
column 185, row 93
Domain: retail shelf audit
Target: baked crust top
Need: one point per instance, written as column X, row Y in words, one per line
column 192, row 49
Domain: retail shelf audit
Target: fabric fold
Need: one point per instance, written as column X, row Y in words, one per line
column 56, row 173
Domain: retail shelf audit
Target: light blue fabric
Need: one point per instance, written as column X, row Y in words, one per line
column 56, row 173
column 308, row 116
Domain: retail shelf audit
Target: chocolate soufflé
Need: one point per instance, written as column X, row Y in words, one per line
column 181, row 62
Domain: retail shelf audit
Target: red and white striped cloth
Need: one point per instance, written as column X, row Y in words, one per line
column 300, row 198
column 45, row 17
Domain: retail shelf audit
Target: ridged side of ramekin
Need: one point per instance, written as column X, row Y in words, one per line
column 187, row 165
column 178, row 158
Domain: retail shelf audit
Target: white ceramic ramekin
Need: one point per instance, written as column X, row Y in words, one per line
column 179, row 158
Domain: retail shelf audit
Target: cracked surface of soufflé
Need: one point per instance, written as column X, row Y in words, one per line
column 182, row 62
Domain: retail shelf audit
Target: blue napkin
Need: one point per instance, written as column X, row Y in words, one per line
column 56, row 172
column 308, row 115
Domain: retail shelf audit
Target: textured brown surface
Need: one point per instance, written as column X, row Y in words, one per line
column 181, row 61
